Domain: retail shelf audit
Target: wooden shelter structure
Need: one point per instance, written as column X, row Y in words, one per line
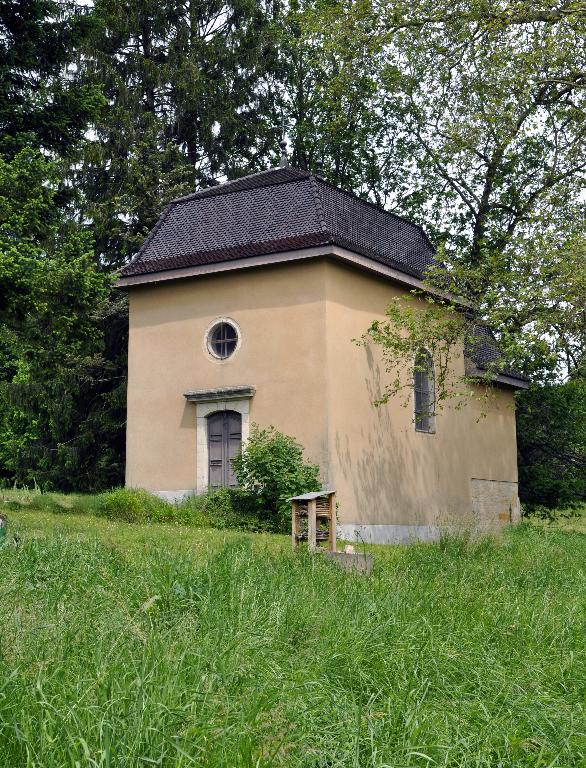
column 313, row 519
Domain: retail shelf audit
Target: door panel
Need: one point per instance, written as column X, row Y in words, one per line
column 234, row 434
column 224, row 443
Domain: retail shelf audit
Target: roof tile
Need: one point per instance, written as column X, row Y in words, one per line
column 273, row 211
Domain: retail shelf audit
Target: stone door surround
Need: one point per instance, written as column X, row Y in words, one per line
column 208, row 401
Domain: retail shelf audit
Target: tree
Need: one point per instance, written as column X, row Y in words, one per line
column 61, row 335
column 326, row 95
column 42, row 101
column 482, row 141
column 551, row 426
column 61, row 340
column 188, row 102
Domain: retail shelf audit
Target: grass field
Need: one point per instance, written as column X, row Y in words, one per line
column 128, row 645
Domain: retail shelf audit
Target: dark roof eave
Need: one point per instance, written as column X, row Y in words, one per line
column 507, row 379
column 197, row 258
column 146, row 266
column 333, row 250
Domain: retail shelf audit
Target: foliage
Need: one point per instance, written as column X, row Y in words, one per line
column 225, row 508
column 482, row 141
column 325, row 96
column 551, row 438
column 533, row 299
column 271, row 469
column 61, row 340
column 43, row 103
column 241, row 653
column 132, row 505
column 418, row 322
column 490, row 107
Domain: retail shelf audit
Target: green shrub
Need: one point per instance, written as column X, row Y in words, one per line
column 551, row 441
column 133, row 505
column 270, row 470
column 223, row 508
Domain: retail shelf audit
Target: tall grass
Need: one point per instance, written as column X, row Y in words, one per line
column 221, row 508
column 458, row 654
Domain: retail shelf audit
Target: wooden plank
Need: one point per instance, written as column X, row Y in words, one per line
column 294, row 525
column 333, row 542
column 311, row 525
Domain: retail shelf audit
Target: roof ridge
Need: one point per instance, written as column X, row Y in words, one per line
column 300, row 174
column 318, row 203
column 151, row 234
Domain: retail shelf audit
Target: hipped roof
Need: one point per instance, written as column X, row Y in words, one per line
column 273, row 211
column 287, row 209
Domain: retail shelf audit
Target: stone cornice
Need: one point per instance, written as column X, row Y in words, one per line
column 220, row 393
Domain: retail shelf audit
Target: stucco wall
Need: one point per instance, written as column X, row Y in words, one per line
column 385, row 472
column 281, row 314
column 298, row 321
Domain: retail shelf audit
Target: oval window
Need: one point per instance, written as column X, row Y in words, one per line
column 222, row 339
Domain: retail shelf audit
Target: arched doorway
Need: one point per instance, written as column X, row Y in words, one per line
column 224, row 443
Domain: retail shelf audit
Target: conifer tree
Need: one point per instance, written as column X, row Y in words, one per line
column 43, row 102
column 189, row 101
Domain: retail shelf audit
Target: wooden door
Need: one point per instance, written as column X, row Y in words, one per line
column 224, row 443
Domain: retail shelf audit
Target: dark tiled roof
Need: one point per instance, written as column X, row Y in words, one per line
column 484, row 353
column 286, row 209
column 277, row 210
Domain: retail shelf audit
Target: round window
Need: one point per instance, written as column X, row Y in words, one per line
column 222, row 339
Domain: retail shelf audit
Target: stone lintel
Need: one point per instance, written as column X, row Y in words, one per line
column 219, row 394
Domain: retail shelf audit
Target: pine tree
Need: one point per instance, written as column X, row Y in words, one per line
column 43, row 103
column 189, row 102
column 62, row 340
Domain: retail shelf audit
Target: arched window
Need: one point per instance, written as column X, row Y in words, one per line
column 424, row 386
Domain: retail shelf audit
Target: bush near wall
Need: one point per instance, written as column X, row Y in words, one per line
column 551, row 441
column 221, row 508
column 133, row 505
column 270, row 470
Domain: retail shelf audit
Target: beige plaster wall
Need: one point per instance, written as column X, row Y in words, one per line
column 281, row 314
column 297, row 322
column 384, row 471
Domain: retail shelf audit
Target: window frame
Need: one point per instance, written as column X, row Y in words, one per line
column 208, row 340
column 418, row 415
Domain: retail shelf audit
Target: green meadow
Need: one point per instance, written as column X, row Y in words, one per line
column 164, row 645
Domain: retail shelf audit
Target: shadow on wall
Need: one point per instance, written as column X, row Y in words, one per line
column 392, row 474
column 271, row 288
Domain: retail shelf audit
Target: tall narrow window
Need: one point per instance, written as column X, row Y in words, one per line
column 424, row 385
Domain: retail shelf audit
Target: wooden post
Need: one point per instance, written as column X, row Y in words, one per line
column 333, row 543
column 294, row 524
column 312, row 525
